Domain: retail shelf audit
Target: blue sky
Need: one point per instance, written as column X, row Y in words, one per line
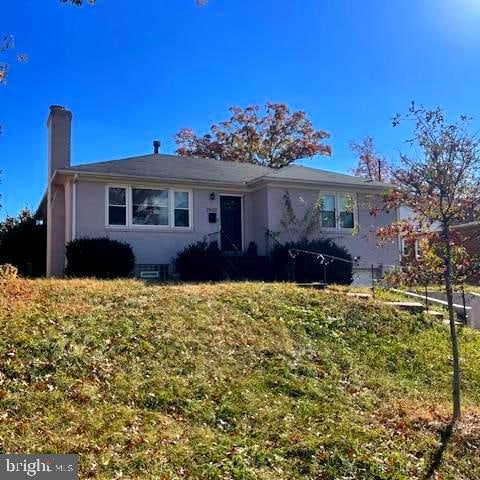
column 134, row 71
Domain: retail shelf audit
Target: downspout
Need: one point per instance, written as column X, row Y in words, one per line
column 74, row 206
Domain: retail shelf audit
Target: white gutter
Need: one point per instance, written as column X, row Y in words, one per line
column 465, row 225
column 143, row 178
column 315, row 183
column 247, row 185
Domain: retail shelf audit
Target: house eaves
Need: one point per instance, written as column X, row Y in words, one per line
column 375, row 188
column 61, row 174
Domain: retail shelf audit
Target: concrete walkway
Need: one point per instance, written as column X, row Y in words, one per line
column 472, row 304
column 413, row 307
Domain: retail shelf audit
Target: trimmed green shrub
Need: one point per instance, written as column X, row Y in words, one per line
column 199, row 262
column 306, row 267
column 23, row 244
column 99, row 258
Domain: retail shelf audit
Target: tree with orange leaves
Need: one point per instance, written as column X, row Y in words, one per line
column 371, row 165
column 271, row 136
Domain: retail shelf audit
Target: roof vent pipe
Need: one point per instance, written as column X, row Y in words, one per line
column 156, row 147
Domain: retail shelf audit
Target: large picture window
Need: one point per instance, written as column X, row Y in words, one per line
column 143, row 206
column 117, row 206
column 149, row 207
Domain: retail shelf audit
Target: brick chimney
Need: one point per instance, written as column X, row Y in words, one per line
column 59, row 126
column 59, row 138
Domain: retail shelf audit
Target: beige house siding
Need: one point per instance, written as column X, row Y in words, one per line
column 262, row 209
column 158, row 245
column 361, row 243
column 76, row 201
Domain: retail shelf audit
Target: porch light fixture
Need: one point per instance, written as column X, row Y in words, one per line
column 212, row 196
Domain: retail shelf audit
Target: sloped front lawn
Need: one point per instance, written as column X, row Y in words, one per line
column 231, row 381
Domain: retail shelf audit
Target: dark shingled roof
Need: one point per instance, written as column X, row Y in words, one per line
column 171, row 167
column 309, row 174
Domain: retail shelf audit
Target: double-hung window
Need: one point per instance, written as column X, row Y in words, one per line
column 345, row 207
column 337, row 211
column 181, row 208
column 418, row 249
column 145, row 206
column 117, row 206
column 328, row 211
column 408, row 251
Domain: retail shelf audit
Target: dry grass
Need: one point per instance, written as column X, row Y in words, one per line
column 229, row 381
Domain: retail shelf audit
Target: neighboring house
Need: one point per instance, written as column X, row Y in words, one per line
column 161, row 203
column 470, row 236
column 409, row 249
column 468, row 233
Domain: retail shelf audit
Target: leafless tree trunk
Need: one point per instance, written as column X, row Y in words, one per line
column 453, row 331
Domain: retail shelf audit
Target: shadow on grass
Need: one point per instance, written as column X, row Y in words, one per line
column 436, row 461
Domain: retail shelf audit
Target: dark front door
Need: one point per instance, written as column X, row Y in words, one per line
column 231, row 222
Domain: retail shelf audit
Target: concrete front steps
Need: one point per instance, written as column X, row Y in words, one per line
column 314, row 285
column 245, row 267
column 413, row 307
